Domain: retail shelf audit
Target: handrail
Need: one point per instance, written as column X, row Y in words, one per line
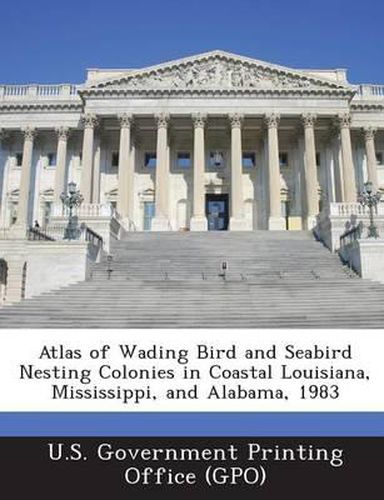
column 351, row 235
column 36, row 234
column 92, row 237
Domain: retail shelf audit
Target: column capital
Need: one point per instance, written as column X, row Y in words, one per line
column 308, row 120
column 236, row 120
column 162, row 120
column 29, row 133
column 272, row 120
column 89, row 120
column 62, row 133
column 199, row 120
column 369, row 132
column 126, row 120
column 343, row 120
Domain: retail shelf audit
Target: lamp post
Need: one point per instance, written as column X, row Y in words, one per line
column 72, row 199
column 370, row 199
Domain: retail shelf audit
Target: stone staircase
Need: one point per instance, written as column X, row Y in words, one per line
column 275, row 279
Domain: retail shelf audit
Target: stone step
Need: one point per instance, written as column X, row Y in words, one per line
column 275, row 279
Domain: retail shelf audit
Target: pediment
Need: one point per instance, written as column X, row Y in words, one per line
column 216, row 72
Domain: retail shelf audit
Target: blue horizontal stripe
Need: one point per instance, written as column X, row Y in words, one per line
column 191, row 424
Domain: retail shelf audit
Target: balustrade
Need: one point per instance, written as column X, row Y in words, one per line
column 368, row 91
column 348, row 209
column 60, row 91
column 86, row 210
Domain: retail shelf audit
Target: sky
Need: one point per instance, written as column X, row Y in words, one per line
column 45, row 41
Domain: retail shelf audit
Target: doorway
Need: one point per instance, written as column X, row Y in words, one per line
column 217, row 211
column 149, row 213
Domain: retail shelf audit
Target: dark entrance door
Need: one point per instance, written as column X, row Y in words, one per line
column 217, row 211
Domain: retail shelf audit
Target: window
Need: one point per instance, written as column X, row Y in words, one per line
column 318, row 159
column 115, row 159
column 150, row 160
column 19, row 159
column 51, row 159
column 283, row 158
column 249, row 160
column 183, row 160
column 216, row 159
column 379, row 158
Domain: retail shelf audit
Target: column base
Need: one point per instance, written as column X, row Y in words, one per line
column 160, row 223
column 238, row 224
column 310, row 222
column 18, row 232
column 276, row 223
column 199, row 223
column 128, row 224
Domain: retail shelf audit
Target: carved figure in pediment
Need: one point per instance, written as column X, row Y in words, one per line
column 237, row 78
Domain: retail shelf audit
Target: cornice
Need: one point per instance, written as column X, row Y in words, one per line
column 367, row 106
column 41, row 106
column 207, row 92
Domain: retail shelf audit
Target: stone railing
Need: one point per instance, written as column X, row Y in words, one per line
column 39, row 92
column 86, row 210
column 352, row 235
column 348, row 209
column 91, row 236
column 368, row 91
column 38, row 234
column 337, row 219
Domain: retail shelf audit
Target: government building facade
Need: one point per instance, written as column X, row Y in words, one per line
column 215, row 141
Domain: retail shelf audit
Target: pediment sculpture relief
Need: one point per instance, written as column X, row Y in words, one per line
column 215, row 74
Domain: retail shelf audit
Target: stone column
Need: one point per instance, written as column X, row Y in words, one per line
column 3, row 175
column 349, row 181
column 237, row 221
column 369, row 138
column 89, row 122
column 61, row 163
column 96, row 170
column 310, row 169
column 275, row 220
column 199, row 220
column 161, row 220
column 329, row 169
column 126, row 169
column 336, row 162
column 25, row 182
column 296, row 208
